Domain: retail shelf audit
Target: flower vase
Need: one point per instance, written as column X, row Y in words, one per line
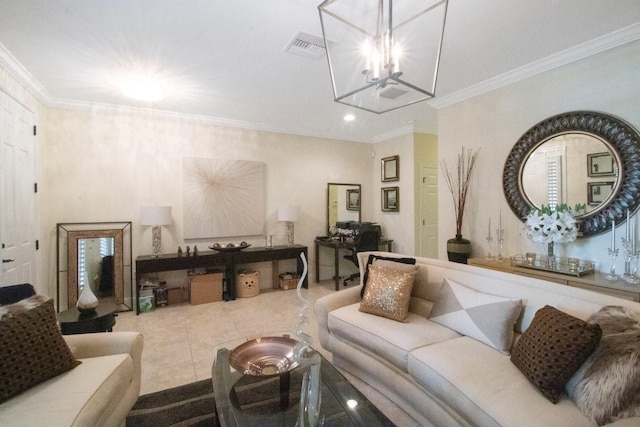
column 458, row 249
column 87, row 302
column 551, row 259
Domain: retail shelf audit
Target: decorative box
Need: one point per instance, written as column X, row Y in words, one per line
column 205, row 288
column 289, row 281
column 146, row 303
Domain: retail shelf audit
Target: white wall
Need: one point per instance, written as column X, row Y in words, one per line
column 102, row 166
column 608, row 82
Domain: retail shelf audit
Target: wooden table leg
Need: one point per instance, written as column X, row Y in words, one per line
column 275, row 274
column 336, row 263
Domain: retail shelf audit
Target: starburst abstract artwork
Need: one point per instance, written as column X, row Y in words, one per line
column 222, row 198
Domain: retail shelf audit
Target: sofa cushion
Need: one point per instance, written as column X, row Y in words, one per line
column 388, row 293
column 97, row 385
column 552, row 349
column 383, row 337
column 32, row 349
column 483, row 386
column 487, row 318
column 606, row 386
column 374, row 258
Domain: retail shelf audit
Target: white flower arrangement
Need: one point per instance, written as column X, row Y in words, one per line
column 546, row 225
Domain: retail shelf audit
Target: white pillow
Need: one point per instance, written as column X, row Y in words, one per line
column 487, row 318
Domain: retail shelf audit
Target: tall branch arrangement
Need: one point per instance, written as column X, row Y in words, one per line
column 459, row 183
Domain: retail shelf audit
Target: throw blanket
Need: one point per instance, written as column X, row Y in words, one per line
column 607, row 385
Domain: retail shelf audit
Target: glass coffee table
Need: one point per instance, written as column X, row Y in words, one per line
column 274, row 400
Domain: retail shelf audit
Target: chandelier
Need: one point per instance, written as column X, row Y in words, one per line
column 383, row 57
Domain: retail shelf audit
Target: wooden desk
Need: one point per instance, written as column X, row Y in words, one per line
column 148, row 264
column 336, row 245
column 595, row 282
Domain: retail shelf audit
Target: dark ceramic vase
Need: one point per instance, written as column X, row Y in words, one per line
column 458, row 249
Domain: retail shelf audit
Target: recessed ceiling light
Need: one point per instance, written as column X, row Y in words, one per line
column 142, row 89
column 349, row 118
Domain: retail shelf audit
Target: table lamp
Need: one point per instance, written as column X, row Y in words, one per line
column 289, row 214
column 155, row 216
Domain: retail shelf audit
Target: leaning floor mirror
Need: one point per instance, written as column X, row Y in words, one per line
column 98, row 255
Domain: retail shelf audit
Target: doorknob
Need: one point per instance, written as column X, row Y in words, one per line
column 4, row 261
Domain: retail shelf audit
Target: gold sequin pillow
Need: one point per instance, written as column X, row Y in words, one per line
column 388, row 292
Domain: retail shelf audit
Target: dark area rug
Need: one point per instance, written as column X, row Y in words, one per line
column 188, row 405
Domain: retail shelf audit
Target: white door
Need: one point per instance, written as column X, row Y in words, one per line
column 17, row 193
column 429, row 212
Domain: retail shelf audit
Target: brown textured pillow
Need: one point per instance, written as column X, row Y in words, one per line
column 32, row 349
column 388, row 292
column 552, row 349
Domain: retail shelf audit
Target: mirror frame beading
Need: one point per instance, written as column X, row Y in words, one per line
column 621, row 137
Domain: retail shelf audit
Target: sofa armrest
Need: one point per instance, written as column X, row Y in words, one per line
column 101, row 344
column 84, row 346
column 334, row 301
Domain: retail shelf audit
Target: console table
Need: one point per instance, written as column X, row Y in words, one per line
column 228, row 259
column 336, row 245
column 595, row 282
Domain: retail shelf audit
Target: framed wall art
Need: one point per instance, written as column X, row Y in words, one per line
column 353, row 199
column 598, row 192
column 222, row 198
column 600, row 164
column 390, row 199
column 391, row 168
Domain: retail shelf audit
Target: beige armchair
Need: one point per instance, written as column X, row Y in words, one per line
column 99, row 392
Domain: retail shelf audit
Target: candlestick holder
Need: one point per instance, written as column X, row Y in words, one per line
column 489, row 240
column 613, row 254
column 500, row 239
column 632, row 277
column 630, row 261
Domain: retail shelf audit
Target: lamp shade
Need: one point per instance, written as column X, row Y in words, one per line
column 289, row 213
column 155, row 215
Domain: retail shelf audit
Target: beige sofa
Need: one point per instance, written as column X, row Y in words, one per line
column 99, row 392
column 439, row 376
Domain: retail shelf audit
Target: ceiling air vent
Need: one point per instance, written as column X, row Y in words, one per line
column 306, row 45
column 392, row 93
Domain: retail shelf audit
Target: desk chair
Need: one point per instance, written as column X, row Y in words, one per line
column 365, row 241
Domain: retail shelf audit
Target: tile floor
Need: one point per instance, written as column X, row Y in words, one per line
column 180, row 340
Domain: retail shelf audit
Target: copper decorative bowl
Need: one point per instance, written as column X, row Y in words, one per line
column 265, row 356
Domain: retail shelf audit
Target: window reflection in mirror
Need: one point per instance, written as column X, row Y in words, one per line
column 95, row 266
column 343, row 203
column 560, row 170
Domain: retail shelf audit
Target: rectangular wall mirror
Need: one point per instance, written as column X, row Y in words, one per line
column 343, row 203
column 390, row 168
column 98, row 255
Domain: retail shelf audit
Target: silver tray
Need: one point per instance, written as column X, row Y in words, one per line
column 560, row 266
column 265, row 356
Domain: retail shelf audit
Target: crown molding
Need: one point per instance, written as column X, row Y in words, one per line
column 215, row 121
column 576, row 53
column 394, row 133
column 23, row 76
